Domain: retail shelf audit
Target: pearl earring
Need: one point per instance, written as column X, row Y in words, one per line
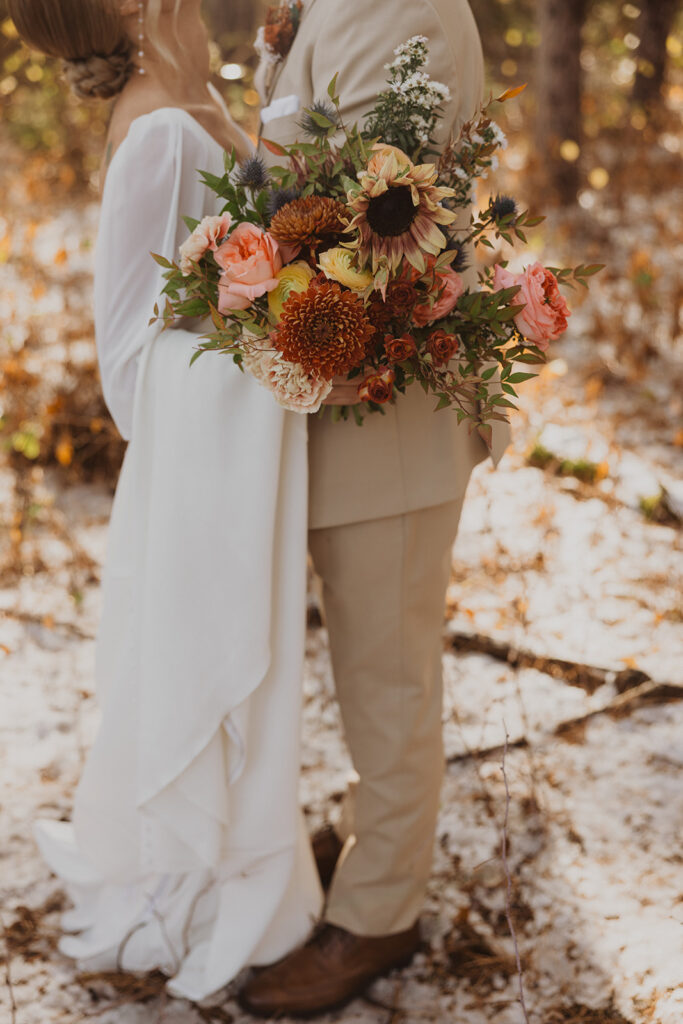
column 141, row 35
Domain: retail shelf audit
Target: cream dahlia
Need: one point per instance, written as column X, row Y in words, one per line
column 292, row 387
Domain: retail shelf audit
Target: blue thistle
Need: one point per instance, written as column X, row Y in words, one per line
column 308, row 124
column 252, row 173
column 503, row 206
column 460, row 262
column 278, row 198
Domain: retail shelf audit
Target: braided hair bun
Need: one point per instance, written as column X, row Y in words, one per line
column 100, row 76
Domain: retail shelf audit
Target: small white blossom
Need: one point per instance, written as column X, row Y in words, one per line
column 266, row 53
column 498, row 135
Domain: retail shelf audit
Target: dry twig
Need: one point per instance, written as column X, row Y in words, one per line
column 508, row 879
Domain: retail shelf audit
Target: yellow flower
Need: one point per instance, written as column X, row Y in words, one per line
column 293, row 278
column 337, row 265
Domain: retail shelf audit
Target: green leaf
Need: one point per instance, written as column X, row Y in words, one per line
column 162, row 261
column 190, row 223
column 518, row 378
column 332, row 88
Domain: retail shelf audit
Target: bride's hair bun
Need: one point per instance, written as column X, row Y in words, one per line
column 88, row 35
column 99, row 76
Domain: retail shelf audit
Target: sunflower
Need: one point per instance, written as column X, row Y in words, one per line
column 397, row 209
column 324, row 329
column 307, row 221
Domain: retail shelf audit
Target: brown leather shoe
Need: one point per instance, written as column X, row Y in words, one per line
column 332, row 968
column 327, row 847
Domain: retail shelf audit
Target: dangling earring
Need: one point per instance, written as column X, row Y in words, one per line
column 141, row 35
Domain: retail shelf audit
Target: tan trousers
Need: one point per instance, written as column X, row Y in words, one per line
column 384, row 586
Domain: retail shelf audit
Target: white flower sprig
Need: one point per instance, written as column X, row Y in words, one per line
column 407, row 112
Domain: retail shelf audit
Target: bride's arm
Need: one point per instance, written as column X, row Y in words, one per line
column 141, row 213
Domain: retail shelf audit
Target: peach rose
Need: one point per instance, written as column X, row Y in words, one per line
column 545, row 314
column 451, row 288
column 206, row 235
column 378, row 388
column 250, row 260
column 399, row 349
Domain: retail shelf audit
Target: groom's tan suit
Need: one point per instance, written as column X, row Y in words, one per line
column 385, row 498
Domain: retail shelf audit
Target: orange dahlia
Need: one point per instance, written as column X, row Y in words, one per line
column 324, row 329
column 307, row 221
column 397, row 210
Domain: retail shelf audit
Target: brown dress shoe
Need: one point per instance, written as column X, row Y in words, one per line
column 327, row 847
column 332, row 968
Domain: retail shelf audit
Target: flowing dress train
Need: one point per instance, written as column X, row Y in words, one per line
column 187, row 851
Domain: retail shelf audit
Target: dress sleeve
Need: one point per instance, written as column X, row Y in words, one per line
column 141, row 213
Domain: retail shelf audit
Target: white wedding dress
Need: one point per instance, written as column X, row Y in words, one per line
column 187, row 851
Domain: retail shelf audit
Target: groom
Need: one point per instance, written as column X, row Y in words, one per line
column 385, row 500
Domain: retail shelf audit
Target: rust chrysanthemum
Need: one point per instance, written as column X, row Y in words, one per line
column 308, row 221
column 324, row 329
column 397, row 211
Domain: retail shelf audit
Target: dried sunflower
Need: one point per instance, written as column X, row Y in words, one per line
column 398, row 210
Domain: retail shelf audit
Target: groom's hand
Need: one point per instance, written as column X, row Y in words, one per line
column 345, row 392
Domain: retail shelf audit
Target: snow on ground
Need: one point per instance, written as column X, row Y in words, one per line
column 595, row 809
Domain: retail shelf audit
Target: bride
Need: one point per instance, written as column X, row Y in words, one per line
column 187, row 851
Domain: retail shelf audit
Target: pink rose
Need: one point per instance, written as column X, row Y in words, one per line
column 451, row 288
column 206, row 235
column 545, row 314
column 250, row 260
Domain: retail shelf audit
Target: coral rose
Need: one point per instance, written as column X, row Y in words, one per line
column 378, row 388
column 338, row 265
column 442, row 347
column 398, row 349
column 250, row 260
column 451, row 287
column 206, row 235
column 545, row 314
column 293, row 278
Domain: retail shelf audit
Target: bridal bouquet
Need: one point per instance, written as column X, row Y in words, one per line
column 345, row 262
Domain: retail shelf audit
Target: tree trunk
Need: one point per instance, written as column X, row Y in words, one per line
column 654, row 25
column 558, row 91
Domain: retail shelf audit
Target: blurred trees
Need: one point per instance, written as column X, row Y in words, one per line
column 654, row 25
column 558, row 88
column 595, row 66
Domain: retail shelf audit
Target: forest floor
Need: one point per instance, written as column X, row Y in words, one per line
column 564, row 631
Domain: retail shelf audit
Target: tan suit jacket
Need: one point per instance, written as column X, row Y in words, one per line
column 412, row 457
